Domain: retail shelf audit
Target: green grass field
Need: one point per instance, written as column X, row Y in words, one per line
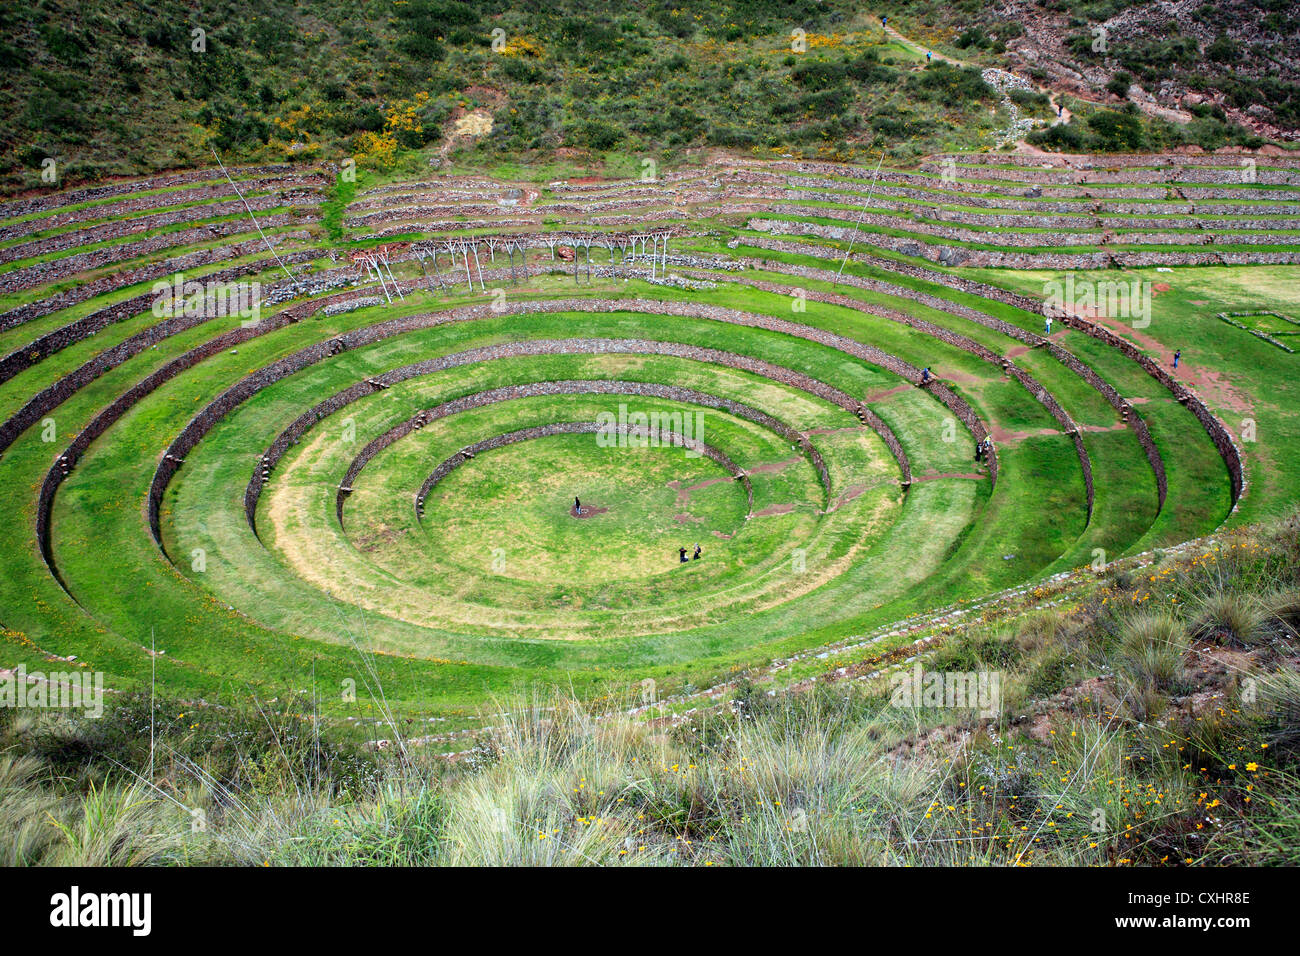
column 799, row 365
column 763, row 433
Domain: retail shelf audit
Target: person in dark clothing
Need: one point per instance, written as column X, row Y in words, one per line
column 682, row 552
column 925, row 375
column 1177, row 356
column 577, row 505
column 696, row 555
column 979, row 450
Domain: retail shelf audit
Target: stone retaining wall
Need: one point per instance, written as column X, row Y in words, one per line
column 1217, row 431
column 134, row 275
column 1066, row 358
column 313, row 181
column 955, row 255
column 1120, row 160
column 966, row 344
column 418, row 216
column 255, row 382
column 1251, row 232
column 117, row 229
column 570, row 428
column 1218, row 176
column 299, row 428
column 66, row 267
column 26, row 206
column 34, row 352
column 1229, row 188
column 1081, row 204
column 575, row 387
column 1094, row 216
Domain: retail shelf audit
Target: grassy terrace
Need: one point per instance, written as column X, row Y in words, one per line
column 498, row 586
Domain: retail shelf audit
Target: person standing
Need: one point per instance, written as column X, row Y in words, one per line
column 925, row 375
column 682, row 552
column 577, row 506
column 1177, row 356
column 1049, row 325
column 696, row 555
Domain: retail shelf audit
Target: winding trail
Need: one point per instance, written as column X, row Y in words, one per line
column 1062, row 114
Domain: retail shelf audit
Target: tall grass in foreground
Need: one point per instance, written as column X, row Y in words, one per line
column 1156, row 723
column 822, row 782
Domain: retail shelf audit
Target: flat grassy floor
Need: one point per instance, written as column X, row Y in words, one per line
column 515, row 504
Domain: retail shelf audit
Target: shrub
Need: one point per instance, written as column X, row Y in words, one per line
column 1117, row 130
column 1119, row 83
column 422, row 46
column 1227, row 617
column 1222, row 50
column 1151, row 650
column 1029, row 99
column 595, row 134
column 953, row 84
column 1066, row 137
column 724, row 135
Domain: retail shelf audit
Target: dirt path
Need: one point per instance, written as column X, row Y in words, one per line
column 895, row 35
column 1207, row 382
column 1062, row 115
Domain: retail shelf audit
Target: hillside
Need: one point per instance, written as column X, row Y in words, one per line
column 1187, row 63
column 112, row 88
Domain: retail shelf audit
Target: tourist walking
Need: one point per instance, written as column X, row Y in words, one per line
column 1177, row 356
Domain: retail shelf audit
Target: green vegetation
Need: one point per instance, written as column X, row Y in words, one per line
column 1126, row 130
column 110, row 91
column 1250, row 388
column 1223, row 50
column 1117, row 703
column 334, row 538
column 496, row 587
